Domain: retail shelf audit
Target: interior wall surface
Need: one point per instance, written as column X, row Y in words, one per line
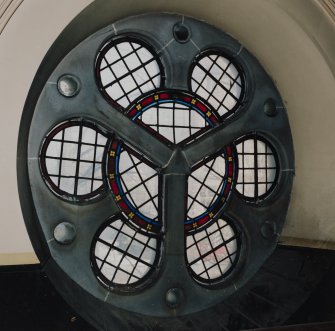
column 33, row 27
column 293, row 40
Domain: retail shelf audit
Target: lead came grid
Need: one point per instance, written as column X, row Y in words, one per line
column 127, row 70
column 205, row 185
column 173, row 120
column 217, row 80
column 139, row 183
column 123, row 255
column 73, row 160
column 212, row 252
column 257, row 168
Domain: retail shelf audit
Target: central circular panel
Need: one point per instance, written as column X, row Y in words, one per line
column 134, row 183
column 174, row 116
column 209, row 187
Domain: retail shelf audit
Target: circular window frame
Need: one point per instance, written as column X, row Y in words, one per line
column 36, row 101
column 147, row 280
column 259, row 136
column 238, row 263
column 111, row 42
column 96, row 194
column 246, row 79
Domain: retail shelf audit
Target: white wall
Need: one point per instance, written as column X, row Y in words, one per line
column 23, row 44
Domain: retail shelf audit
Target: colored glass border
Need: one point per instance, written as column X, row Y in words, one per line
column 120, row 197
column 183, row 98
column 229, row 155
